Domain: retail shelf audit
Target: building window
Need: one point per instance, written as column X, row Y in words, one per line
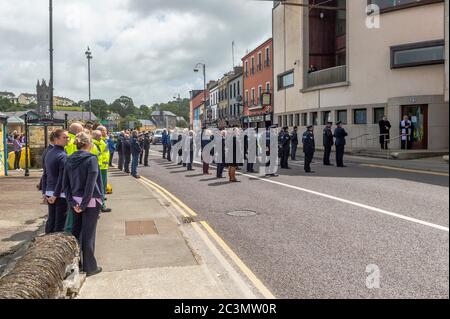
column 280, row 121
column 342, row 116
column 252, row 70
column 259, row 67
column 391, row 5
column 260, row 94
column 246, row 68
column 268, row 87
column 415, row 54
column 291, row 120
column 231, row 91
column 253, row 96
column 239, row 88
column 314, row 119
column 246, row 96
column 360, row 116
column 285, row 120
column 267, row 61
column 304, row 119
column 326, row 116
column 378, row 114
column 286, row 80
column 297, row 119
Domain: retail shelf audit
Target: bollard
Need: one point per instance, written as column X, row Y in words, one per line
column 41, row 272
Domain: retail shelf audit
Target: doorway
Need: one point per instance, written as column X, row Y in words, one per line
column 418, row 115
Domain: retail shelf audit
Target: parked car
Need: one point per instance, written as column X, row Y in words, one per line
column 157, row 137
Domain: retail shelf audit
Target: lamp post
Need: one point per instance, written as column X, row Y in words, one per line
column 50, row 6
column 89, row 58
column 196, row 69
column 178, row 99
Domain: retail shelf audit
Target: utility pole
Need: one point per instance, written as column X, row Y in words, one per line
column 51, row 57
column 89, row 57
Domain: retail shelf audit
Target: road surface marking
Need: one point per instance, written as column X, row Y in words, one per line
column 173, row 197
column 250, row 275
column 231, row 271
column 405, row 169
column 375, row 209
column 378, row 210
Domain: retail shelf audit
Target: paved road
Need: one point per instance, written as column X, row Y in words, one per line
column 315, row 236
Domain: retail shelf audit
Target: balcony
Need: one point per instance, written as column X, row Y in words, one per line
column 333, row 75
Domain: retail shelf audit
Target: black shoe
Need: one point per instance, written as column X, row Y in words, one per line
column 95, row 272
column 136, row 176
column 106, row 210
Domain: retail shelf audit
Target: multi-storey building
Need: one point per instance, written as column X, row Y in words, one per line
column 27, row 98
column 258, row 77
column 198, row 108
column 235, row 108
column 213, row 87
column 354, row 63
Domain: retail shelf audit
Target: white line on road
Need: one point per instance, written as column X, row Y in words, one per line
column 346, row 201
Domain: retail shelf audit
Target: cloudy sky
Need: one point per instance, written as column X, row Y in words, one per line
column 145, row 49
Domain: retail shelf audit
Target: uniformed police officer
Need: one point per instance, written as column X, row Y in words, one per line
column 340, row 134
column 285, row 145
column 327, row 143
column 309, row 147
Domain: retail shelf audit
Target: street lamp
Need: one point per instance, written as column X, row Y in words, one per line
column 178, row 99
column 196, row 69
column 89, row 58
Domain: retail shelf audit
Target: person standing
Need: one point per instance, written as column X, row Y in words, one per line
column 233, row 156
column 207, row 137
column 190, row 150
column 141, row 144
column 119, row 148
column 17, row 144
column 126, row 153
column 250, row 164
column 44, row 172
column 146, row 146
column 327, row 144
column 340, row 134
column 111, row 148
column 135, row 151
column 55, row 161
column 294, row 144
column 406, row 131
column 83, row 189
column 309, row 147
column 285, row 145
column 385, row 127
column 220, row 155
column 165, row 140
column 103, row 162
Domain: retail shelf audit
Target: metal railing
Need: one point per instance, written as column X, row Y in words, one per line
column 328, row 76
column 354, row 140
column 388, row 151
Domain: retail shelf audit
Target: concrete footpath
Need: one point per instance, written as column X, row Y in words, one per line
column 148, row 248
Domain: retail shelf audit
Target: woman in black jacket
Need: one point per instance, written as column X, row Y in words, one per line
column 83, row 189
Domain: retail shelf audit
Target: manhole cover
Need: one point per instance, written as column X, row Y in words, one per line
column 242, row 213
column 140, row 227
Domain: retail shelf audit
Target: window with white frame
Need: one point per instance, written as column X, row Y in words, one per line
column 268, row 87
column 253, row 96
column 260, row 94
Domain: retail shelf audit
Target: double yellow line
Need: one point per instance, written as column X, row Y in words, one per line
column 189, row 213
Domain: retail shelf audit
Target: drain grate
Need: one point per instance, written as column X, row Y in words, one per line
column 242, row 213
column 140, row 227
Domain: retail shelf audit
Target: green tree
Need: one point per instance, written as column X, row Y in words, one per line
column 124, row 106
column 100, row 108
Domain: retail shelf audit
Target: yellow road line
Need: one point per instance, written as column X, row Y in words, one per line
column 173, row 197
column 405, row 169
column 250, row 275
column 148, row 186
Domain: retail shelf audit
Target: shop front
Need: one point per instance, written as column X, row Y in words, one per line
column 263, row 120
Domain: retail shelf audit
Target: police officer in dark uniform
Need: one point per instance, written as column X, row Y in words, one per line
column 327, row 143
column 284, row 145
column 340, row 134
column 126, row 153
column 146, row 146
column 309, row 147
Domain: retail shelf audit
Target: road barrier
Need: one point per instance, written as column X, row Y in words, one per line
column 48, row 270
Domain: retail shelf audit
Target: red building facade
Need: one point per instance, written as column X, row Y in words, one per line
column 258, row 80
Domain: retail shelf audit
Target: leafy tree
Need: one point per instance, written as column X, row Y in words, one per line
column 100, row 108
column 124, row 106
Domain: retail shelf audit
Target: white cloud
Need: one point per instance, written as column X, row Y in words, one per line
column 145, row 49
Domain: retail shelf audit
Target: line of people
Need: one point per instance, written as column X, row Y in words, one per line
column 74, row 183
column 288, row 143
column 133, row 149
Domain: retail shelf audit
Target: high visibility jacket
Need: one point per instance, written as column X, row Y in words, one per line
column 103, row 154
column 71, row 147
